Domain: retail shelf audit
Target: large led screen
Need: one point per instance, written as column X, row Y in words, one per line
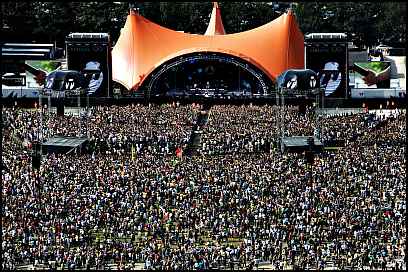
column 373, row 74
column 329, row 61
column 93, row 62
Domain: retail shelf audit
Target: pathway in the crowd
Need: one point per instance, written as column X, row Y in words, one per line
column 195, row 137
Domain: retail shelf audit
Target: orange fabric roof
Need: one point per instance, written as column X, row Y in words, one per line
column 215, row 27
column 144, row 46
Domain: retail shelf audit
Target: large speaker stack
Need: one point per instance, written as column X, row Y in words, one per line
column 36, row 155
column 309, row 154
column 60, row 107
column 36, row 161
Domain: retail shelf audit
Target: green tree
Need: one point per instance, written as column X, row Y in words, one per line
column 367, row 22
column 392, row 26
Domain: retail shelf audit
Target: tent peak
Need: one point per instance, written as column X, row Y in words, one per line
column 132, row 11
column 291, row 11
column 215, row 26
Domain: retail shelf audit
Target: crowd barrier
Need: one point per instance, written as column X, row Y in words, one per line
column 371, row 103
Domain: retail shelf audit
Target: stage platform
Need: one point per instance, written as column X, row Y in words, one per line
column 63, row 144
column 299, row 144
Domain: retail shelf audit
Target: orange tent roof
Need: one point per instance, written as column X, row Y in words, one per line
column 215, row 27
column 144, row 46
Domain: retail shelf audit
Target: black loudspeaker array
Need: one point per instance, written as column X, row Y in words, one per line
column 309, row 155
column 36, row 160
column 302, row 109
column 36, row 155
column 60, row 107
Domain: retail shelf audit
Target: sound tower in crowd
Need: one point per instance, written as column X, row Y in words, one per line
column 90, row 54
column 327, row 55
column 60, row 106
column 36, row 155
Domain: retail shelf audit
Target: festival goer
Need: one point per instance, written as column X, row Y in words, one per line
column 236, row 205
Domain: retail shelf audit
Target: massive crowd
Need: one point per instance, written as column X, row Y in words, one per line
column 232, row 129
column 159, row 128
column 240, row 203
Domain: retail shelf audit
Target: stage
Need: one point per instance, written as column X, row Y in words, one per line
column 63, row 144
column 299, row 144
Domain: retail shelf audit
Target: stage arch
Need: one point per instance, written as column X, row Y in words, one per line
column 207, row 73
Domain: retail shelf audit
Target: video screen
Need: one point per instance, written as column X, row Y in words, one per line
column 44, row 65
column 92, row 61
column 329, row 61
column 37, row 71
column 373, row 74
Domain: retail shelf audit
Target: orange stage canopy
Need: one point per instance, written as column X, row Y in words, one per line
column 144, row 46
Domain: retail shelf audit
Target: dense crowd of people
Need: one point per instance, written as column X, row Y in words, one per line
column 232, row 129
column 240, row 203
column 159, row 128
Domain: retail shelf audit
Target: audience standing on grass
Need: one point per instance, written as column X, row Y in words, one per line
column 239, row 203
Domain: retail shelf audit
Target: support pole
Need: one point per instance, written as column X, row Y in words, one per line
column 321, row 91
column 317, row 115
column 49, row 103
column 281, row 117
column 239, row 80
column 88, row 113
column 49, row 109
column 283, row 113
column 79, row 115
column 278, row 116
column 40, row 130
